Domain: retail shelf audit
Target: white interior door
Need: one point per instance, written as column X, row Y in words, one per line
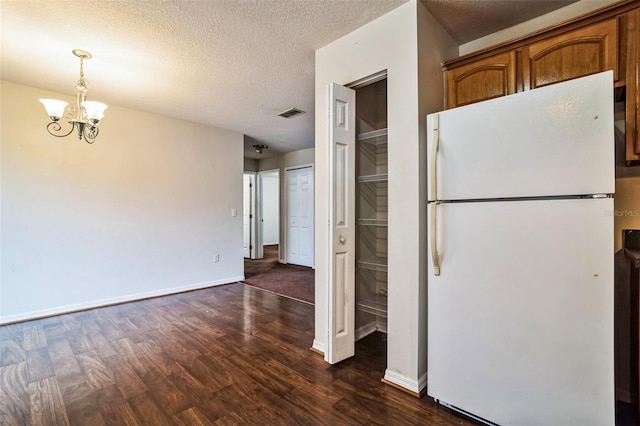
column 300, row 242
column 247, row 213
column 341, row 288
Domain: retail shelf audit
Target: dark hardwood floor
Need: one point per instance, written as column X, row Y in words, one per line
column 226, row 355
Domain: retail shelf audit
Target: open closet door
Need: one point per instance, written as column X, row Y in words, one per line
column 341, row 288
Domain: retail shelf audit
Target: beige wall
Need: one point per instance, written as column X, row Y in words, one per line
column 139, row 213
column 289, row 159
column 394, row 43
column 250, row 165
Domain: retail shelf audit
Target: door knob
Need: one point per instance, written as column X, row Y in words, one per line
column 342, row 240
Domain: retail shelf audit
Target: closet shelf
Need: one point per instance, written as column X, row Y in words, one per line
column 375, row 137
column 373, row 264
column 374, row 307
column 384, row 177
column 373, row 222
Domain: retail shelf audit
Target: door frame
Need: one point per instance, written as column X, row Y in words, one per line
column 285, row 194
column 252, row 213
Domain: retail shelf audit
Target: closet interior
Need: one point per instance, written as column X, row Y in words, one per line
column 371, row 209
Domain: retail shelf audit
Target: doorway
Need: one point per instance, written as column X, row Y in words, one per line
column 269, row 204
column 358, row 141
column 299, row 215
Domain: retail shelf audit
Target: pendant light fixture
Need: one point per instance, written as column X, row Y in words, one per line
column 260, row 148
column 84, row 117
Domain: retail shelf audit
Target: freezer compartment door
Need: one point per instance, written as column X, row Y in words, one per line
column 556, row 140
column 520, row 319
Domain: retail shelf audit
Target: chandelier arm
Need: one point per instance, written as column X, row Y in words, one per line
column 54, row 128
column 90, row 133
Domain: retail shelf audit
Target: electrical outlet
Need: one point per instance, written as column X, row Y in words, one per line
column 216, row 258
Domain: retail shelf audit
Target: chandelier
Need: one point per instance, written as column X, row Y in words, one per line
column 84, row 117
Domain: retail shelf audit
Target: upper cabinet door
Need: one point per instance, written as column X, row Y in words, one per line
column 577, row 53
column 481, row 80
column 633, row 87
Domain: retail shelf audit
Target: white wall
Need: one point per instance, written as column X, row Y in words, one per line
column 141, row 212
column 391, row 42
column 270, row 208
column 557, row 16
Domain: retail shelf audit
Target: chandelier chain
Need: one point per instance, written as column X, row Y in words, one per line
column 82, row 84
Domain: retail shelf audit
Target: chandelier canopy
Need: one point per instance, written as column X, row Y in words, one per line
column 84, row 117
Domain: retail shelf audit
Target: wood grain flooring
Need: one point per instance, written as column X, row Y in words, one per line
column 226, row 355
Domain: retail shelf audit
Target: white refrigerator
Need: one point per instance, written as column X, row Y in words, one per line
column 520, row 284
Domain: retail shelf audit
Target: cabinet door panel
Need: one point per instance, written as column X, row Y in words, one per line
column 574, row 54
column 633, row 86
column 482, row 80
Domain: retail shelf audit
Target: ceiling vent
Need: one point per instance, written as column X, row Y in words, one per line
column 291, row 112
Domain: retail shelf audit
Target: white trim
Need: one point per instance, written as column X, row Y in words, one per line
column 253, row 178
column 286, row 212
column 27, row 316
column 365, row 81
column 365, row 330
column 405, row 382
column 257, row 218
column 328, row 293
column 318, row 345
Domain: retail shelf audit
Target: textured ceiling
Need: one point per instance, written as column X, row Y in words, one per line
column 228, row 63
column 233, row 64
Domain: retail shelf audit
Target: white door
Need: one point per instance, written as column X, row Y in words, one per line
column 300, row 242
column 246, row 213
column 520, row 319
column 341, row 288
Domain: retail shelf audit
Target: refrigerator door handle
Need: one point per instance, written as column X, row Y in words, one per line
column 432, row 239
column 433, row 195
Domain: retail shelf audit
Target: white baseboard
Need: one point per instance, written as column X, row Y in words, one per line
column 318, row 346
column 58, row 310
column 365, row 330
column 414, row 386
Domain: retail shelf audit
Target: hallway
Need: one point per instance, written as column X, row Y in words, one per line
column 295, row 282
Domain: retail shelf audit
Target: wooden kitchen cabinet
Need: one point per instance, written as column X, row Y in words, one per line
column 485, row 79
column 577, row 53
column 606, row 39
column 632, row 60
